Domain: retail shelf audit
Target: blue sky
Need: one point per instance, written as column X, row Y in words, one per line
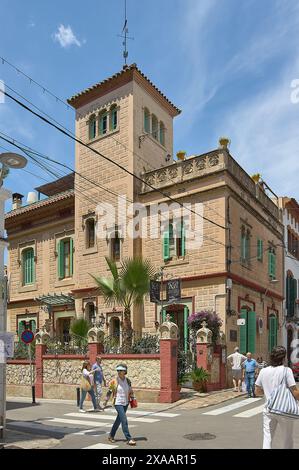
column 228, row 64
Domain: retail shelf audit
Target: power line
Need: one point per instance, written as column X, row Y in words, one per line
column 109, row 160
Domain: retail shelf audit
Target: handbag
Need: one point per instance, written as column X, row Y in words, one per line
column 282, row 401
column 85, row 384
column 133, row 403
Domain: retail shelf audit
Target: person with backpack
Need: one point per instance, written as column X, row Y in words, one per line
column 121, row 390
column 269, row 380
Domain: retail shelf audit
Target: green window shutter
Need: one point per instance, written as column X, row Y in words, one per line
column 71, row 256
column 260, row 250
column 272, row 333
column 243, row 334
column 61, row 274
column 186, row 311
column 92, row 129
column 251, row 331
column 243, row 246
column 21, row 328
column 183, row 239
column 28, row 266
column 269, row 263
column 166, row 251
column 293, row 295
column 288, row 294
column 274, row 265
column 163, row 315
column 247, row 248
column 33, row 325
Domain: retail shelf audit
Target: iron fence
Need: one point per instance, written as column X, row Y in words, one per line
column 67, row 344
column 21, row 350
column 131, row 343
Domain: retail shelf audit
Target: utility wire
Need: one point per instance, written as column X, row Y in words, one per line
column 108, row 159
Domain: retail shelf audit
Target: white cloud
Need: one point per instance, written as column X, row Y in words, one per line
column 66, row 37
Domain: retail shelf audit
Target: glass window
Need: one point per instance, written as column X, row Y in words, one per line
column 28, row 266
column 115, row 247
column 147, row 127
column 113, row 118
column 155, row 127
column 90, row 233
column 65, row 258
column 103, row 123
column 92, row 127
column 162, row 133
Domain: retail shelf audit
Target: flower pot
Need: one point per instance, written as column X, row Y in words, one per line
column 200, row 386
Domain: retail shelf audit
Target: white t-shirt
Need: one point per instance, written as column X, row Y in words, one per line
column 122, row 394
column 88, row 375
column 236, row 360
column 270, row 377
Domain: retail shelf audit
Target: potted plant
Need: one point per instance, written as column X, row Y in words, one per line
column 199, row 377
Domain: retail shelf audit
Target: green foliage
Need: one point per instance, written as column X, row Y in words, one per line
column 199, row 374
column 80, row 328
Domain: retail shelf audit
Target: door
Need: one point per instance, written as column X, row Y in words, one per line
column 179, row 316
column 248, row 332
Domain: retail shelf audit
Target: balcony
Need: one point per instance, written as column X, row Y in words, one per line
column 204, row 165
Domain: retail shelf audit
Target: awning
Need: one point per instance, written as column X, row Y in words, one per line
column 56, row 299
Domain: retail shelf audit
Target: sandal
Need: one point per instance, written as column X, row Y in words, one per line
column 110, row 439
column 131, row 442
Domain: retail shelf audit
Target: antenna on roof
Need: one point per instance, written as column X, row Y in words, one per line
column 124, row 35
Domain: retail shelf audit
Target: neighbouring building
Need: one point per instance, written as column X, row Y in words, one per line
column 237, row 271
column 290, row 208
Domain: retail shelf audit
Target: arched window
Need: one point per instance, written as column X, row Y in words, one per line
column 115, row 246
column 115, row 329
column 103, row 122
column 65, row 258
column 162, row 133
column 90, row 233
column 92, row 127
column 28, row 266
column 90, row 313
column 113, row 117
column 147, row 124
column 155, row 127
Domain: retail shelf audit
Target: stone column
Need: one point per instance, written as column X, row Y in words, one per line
column 95, row 343
column 41, row 339
column 169, row 389
column 204, row 353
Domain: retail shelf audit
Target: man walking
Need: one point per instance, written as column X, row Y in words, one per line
column 249, row 372
column 236, row 360
column 99, row 379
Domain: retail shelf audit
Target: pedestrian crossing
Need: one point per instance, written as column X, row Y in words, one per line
column 95, row 424
column 234, row 407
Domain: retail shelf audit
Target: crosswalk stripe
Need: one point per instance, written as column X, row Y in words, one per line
column 233, row 406
column 83, row 422
column 251, row 412
column 100, row 446
column 79, row 422
column 105, row 416
column 146, row 413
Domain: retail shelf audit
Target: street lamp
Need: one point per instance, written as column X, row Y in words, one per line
column 8, row 160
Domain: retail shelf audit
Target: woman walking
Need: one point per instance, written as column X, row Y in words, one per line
column 122, row 392
column 268, row 380
column 87, row 386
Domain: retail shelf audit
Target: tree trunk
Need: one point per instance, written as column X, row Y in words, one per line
column 127, row 332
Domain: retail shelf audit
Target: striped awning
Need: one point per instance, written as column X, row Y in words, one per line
column 56, row 299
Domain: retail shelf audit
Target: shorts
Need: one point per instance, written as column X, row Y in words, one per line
column 237, row 374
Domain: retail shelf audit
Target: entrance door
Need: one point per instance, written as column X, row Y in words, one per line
column 179, row 316
column 63, row 328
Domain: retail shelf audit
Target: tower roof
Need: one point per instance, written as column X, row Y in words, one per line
column 126, row 75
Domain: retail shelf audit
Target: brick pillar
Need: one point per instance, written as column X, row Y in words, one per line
column 204, row 349
column 202, row 352
column 95, row 343
column 40, row 350
column 94, row 350
column 169, row 389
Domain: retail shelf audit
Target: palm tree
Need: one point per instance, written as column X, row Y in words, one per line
column 127, row 287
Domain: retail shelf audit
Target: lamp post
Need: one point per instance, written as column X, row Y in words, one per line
column 8, row 160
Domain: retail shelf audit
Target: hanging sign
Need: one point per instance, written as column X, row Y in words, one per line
column 155, row 288
column 173, row 289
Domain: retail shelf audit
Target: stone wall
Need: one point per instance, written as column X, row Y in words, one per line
column 18, row 381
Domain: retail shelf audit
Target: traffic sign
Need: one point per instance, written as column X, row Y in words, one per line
column 27, row 336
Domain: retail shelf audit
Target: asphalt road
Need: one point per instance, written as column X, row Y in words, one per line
column 234, row 424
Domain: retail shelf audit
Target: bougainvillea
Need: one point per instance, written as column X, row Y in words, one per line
column 213, row 322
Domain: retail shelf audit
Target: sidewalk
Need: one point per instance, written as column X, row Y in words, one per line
column 21, row 440
column 190, row 399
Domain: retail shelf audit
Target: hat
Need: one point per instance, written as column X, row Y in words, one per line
column 121, row 367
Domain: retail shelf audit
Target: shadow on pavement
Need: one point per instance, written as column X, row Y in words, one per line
column 14, row 405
